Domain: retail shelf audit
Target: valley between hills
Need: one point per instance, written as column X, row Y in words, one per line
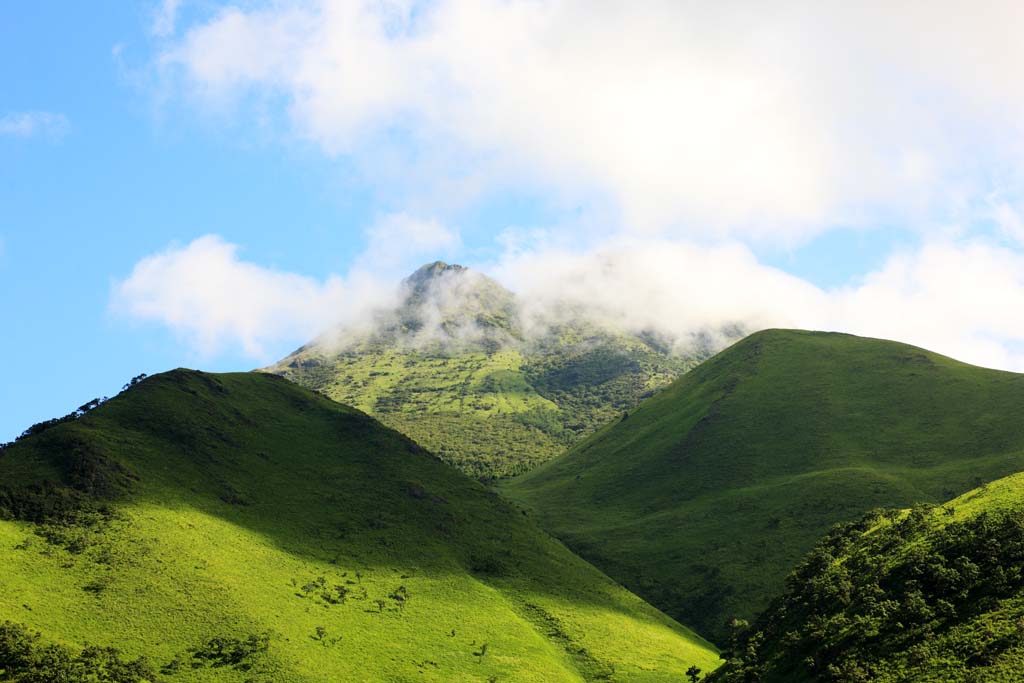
column 466, row 493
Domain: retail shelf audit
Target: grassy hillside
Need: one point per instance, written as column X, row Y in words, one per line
column 454, row 367
column 240, row 528
column 706, row 496
column 932, row 594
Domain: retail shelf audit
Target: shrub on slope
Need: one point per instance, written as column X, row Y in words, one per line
column 927, row 594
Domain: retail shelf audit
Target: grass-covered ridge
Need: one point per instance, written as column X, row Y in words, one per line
column 705, row 497
column 455, row 368
column 931, row 594
column 238, row 527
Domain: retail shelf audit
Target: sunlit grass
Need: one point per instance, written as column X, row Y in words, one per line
column 251, row 489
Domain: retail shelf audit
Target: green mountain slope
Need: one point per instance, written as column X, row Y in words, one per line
column 706, row 496
column 240, row 528
column 456, row 367
column 931, row 595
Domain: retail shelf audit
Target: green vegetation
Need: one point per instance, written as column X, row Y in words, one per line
column 931, row 594
column 707, row 495
column 24, row 658
column 237, row 527
column 452, row 368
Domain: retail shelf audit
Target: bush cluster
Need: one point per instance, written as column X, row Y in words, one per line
column 25, row 658
column 887, row 596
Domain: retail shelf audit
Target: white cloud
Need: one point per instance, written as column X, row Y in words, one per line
column 962, row 300
column 670, row 287
column 398, row 242
column 765, row 120
column 165, row 17
column 216, row 301
column 31, row 123
column 682, row 130
column 1009, row 219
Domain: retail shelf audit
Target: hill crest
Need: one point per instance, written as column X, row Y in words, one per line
column 259, row 531
column 731, row 474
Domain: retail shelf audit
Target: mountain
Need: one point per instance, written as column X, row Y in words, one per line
column 931, row 595
column 459, row 367
column 706, row 496
column 240, row 528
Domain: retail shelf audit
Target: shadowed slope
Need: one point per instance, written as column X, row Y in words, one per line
column 238, row 527
column 706, row 496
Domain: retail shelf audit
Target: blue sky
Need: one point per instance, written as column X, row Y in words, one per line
column 332, row 146
column 123, row 181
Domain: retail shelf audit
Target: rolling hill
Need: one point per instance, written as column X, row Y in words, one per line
column 931, row 595
column 237, row 527
column 461, row 369
column 706, row 496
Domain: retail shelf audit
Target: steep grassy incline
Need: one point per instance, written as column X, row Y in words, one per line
column 931, row 595
column 240, row 528
column 455, row 368
column 492, row 413
column 705, row 497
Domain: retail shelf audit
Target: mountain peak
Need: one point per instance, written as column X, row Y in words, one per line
column 430, row 271
column 429, row 276
column 445, row 303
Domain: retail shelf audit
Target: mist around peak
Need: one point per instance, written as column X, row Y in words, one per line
column 492, row 382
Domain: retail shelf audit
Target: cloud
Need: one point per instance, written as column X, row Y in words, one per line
column 33, row 123
column 216, row 302
column 960, row 299
column 669, row 137
column 673, row 288
column 397, row 243
column 765, row 121
column 165, row 17
column 1009, row 219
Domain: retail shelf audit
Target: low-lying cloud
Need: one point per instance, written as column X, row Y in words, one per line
column 216, row 302
column 960, row 299
column 957, row 298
